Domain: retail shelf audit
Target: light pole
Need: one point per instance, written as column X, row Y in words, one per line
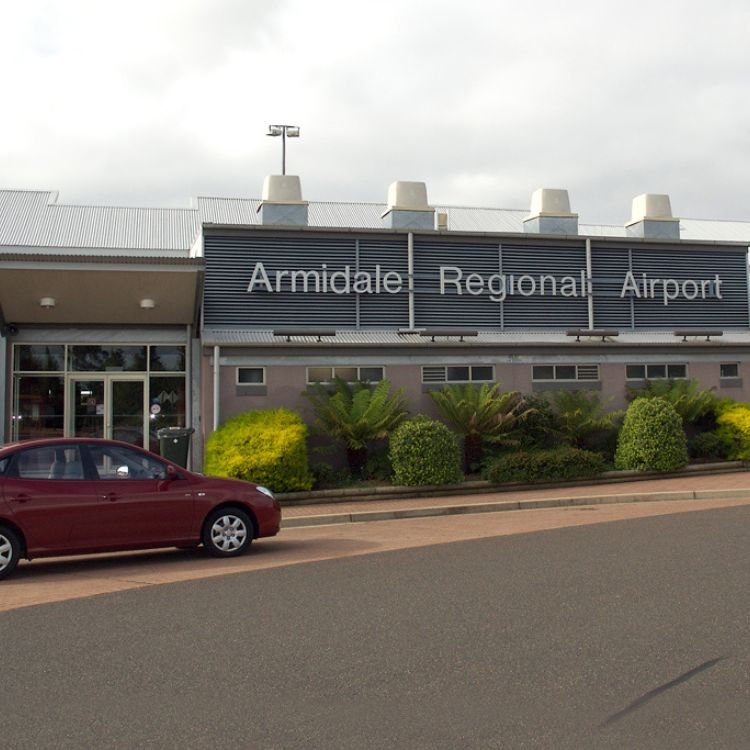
column 291, row 131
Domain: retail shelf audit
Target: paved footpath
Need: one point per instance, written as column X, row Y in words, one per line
column 333, row 530
column 687, row 487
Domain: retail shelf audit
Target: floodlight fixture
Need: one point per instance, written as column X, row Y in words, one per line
column 285, row 131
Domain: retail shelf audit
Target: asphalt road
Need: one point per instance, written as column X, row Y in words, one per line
column 630, row 634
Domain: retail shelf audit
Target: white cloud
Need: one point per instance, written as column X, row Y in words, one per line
column 156, row 102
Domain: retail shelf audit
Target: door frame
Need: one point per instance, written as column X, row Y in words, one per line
column 108, row 379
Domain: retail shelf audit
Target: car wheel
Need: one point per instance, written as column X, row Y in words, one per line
column 228, row 532
column 10, row 551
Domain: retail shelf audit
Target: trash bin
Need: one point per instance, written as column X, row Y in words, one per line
column 174, row 443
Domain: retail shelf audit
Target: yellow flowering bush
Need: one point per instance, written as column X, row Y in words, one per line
column 734, row 431
column 266, row 446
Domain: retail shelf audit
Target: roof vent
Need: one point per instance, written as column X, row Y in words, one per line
column 408, row 207
column 652, row 218
column 550, row 213
column 282, row 202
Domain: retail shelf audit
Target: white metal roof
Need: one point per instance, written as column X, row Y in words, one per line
column 33, row 219
column 339, row 215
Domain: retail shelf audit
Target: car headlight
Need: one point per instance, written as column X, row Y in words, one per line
column 264, row 490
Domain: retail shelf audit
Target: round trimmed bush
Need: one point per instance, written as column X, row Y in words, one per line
column 424, row 451
column 652, row 437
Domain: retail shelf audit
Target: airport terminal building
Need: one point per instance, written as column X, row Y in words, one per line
column 115, row 322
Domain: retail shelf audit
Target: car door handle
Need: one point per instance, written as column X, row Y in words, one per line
column 22, row 498
column 111, row 497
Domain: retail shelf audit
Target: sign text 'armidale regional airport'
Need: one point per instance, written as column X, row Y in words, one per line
column 497, row 286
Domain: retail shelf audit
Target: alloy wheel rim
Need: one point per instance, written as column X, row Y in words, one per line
column 6, row 552
column 228, row 533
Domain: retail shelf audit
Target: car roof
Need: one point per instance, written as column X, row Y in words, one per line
column 48, row 442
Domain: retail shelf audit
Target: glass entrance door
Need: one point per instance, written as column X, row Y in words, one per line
column 127, row 411
column 88, row 408
column 109, row 407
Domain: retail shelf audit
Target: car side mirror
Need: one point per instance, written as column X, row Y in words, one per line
column 172, row 473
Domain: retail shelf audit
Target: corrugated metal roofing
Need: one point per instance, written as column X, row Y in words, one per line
column 244, row 212
column 34, row 220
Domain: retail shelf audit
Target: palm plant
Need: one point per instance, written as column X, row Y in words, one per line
column 580, row 414
column 355, row 414
column 480, row 414
column 695, row 406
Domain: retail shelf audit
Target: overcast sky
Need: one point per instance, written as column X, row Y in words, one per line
column 155, row 102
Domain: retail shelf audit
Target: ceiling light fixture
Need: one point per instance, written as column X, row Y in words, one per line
column 47, row 302
column 147, row 303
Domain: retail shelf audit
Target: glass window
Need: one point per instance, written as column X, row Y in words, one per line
column 349, row 374
column 167, row 358
column 319, row 374
column 482, row 373
column 40, row 357
column 371, row 374
column 635, row 372
column 565, row 372
column 458, row 374
column 676, row 371
column 543, row 372
column 251, row 375
column 656, row 371
column 108, row 358
column 118, row 462
column 40, row 406
column 54, row 462
column 4, row 464
column 729, row 370
column 167, row 399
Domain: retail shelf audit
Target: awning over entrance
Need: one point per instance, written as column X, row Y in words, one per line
column 57, row 292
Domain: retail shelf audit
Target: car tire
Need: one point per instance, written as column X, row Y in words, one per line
column 10, row 551
column 228, row 532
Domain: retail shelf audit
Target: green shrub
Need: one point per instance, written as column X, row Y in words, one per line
column 425, row 451
column 327, row 477
column 696, row 407
column 539, row 428
column 706, row 446
column 545, row 465
column 480, row 414
column 652, row 437
column 734, row 431
column 356, row 414
column 581, row 418
column 267, row 446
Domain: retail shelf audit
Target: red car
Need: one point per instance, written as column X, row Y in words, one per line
column 71, row 496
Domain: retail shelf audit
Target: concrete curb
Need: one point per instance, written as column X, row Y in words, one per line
column 505, row 505
column 478, row 486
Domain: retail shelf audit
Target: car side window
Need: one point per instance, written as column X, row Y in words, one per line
column 119, row 462
column 4, row 465
column 50, row 462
